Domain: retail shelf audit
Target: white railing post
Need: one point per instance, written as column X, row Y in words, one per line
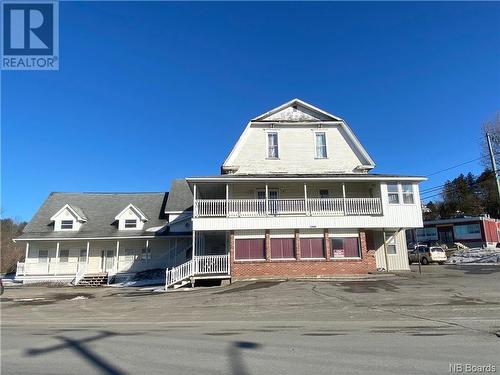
column 57, row 259
column 26, row 257
column 343, row 197
column 195, row 202
column 117, row 255
column 306, row 204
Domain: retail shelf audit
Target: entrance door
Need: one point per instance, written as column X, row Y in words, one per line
column 445, row 234
column 107, row 260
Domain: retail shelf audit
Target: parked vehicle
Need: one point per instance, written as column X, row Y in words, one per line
column 433, row 254
column 1, row 286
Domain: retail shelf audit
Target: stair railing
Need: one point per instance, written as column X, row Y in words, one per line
column 82, row 270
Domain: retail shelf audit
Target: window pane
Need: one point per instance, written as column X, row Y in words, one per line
column 393, row 198
column 282, row 248
column 311, row 248
column 345, row 247
column 42, row 256
column 63, row 256
column 323, row 193
column 391, row 249
column 272, row 145
column 130, row 223
column 320, row 145
column 250, row 249
column 83, row 255
column 392, row 187
column 407, row 188
column 66, row 224
column 408, row 198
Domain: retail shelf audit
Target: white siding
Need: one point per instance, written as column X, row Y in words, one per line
column 297, row 152
column 398, row 261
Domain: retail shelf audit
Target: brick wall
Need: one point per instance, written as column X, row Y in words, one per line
column 303, row 267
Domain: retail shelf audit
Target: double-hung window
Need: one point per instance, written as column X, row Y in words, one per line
column 67, row 224
column 347, row 247
column 272, row 145
column 391, row 243
column 130, row 223
column 320, row 139
column 393, row 192
column 407, row 193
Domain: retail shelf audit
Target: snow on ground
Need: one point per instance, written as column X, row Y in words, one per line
column 475, row 256
column 145, row 278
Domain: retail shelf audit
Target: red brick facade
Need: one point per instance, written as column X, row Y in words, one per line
column 302, row 267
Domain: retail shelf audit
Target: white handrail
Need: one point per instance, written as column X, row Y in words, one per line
column 82, row 270
column 212, row 264
column 179, row 273
column 200, row 265
column 288, row 206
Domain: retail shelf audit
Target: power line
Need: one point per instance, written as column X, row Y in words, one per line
column 452, row 189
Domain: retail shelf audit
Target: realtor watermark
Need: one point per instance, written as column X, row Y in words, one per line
column 30, row 35
column 471, row 368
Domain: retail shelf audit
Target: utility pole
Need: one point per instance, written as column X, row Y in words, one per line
column 493, row 165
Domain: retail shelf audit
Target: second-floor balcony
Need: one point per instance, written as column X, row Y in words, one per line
column 288, row 206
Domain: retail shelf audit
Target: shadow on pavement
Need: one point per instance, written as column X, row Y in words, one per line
column 238, row 366
column 79, row 347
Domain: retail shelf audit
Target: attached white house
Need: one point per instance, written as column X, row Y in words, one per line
column 90, row 237
column 295, row 198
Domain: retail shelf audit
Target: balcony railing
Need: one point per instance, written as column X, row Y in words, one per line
column 291, row 207
column 48, row 268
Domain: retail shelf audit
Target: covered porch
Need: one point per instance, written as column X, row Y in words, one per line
column 286, row 198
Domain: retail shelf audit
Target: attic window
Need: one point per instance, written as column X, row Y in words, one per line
column 67, row 224
column 130, row 223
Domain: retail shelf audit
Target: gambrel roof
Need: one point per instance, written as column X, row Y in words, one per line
column 298, row 112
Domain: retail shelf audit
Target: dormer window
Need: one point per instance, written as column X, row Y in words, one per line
column 66, row 224
column 68, row 218
column 130, row 223
column 130, row 218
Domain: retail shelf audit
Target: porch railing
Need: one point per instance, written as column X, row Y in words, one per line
column 278, row 207
column 199, row 265
column 211, row 264
column 48, row 268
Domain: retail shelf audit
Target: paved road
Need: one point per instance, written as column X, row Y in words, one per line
column 402, row 325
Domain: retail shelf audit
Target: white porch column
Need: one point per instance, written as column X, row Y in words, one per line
column 343, row 197
column 227, row 200
column 267, row 199
column 193, row 255
column 88, row 252
column 117, row 254
column 26, row 258
column 385, row 250
column 57, row 259
column 147, row 251
column 195, row 208
column 306, row 204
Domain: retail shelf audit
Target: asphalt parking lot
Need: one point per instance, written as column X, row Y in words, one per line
column 411, row 324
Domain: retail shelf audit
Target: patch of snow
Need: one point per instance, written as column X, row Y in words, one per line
column 78, row 298
column 475, row 256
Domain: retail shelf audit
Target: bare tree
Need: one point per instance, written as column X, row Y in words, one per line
column 10, row 252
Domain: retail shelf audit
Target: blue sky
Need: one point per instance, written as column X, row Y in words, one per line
column 148, row 92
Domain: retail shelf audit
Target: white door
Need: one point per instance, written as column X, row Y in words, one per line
column 107, row 260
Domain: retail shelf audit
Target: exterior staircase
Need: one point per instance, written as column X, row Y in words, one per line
column 93, row 280
column 216, row 266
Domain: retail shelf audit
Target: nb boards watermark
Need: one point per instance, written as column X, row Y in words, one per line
column 30, row 35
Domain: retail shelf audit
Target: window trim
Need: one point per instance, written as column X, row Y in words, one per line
column 61, row 257
column 397, row 192
column 45, row 257
column 269, row 132
column 332, row 238
column 67, row 221
column 403, row 193
column 128, row 227
column 315, row 133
